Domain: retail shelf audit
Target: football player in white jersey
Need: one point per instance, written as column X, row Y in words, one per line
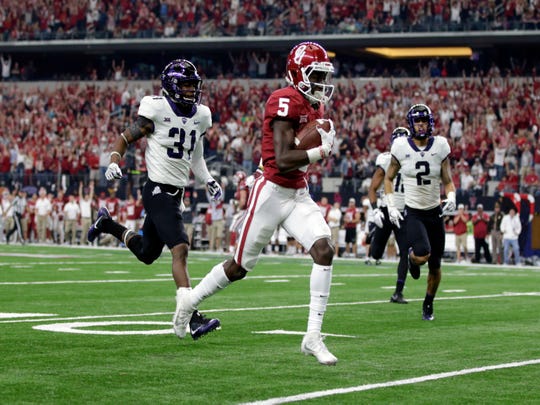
column 174, row 125
column 423, row 162
column 381, row 221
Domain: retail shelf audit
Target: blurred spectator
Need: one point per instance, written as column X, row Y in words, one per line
column 480, row 222
column 494, row 229
column 43, row 210
column 6, row 67
column 460, row 230
column 334, row 222
column 351, row 219
column 72, row 214
column 511, row 228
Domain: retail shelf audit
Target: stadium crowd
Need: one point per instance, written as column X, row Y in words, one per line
column 59, row 138
column 48, row 19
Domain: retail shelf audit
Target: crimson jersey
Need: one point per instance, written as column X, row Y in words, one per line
column 242, row 186
column 113, row 205
column 285, row 104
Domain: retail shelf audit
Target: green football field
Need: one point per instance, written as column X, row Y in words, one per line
column 93, row 325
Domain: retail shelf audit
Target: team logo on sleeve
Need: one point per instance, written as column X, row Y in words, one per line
column 156, row 190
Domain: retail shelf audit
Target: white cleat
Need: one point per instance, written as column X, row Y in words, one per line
column 313, row 345
column 183, row 312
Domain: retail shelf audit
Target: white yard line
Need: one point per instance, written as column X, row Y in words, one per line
column 366, row 387
column 272, row 308
column 249, row 277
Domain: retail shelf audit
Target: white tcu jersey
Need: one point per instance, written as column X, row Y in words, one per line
column 170, row 148
column 421, row 170
column 383, row 161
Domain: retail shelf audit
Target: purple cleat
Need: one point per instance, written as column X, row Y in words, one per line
column 200, row 325
column 95, row 230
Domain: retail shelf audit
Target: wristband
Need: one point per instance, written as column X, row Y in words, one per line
column 314, row 154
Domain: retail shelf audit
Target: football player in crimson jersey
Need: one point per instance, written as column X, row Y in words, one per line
column 280, row 197
column 174, row 125
column 423, row 162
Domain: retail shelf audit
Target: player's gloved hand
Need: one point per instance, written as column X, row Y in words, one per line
column 378, row 217
column 113, row 172
column 214, row 189
column 449, row 205
column 327, row 139
column 395, row 216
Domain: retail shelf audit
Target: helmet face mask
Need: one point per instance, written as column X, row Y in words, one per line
column 181, row 83
column 309, row 70
column 420, row 113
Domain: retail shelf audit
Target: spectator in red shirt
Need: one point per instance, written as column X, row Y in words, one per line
column 460, row 231
column 480, row 222
column 531, row 181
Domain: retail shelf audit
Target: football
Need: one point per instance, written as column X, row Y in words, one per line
column 308, row 137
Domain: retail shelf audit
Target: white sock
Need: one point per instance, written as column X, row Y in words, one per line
column 319, row 289
column 214, row 281
column 181, row 291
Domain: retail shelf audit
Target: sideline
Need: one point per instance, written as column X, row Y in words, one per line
column 367, row 387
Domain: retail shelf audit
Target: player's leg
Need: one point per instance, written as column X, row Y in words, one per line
column 403, row 265
column 260, row 223
column 307, row 225
column 436, row 235
column 417, row 240
column 379, row 240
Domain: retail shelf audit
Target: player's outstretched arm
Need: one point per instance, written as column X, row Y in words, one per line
column 391, row 173
column 140, row 128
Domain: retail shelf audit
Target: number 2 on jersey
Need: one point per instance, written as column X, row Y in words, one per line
column 178, row 153
column 425, row 172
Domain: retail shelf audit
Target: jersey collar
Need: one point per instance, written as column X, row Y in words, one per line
column 417, row 149
column 179, row 111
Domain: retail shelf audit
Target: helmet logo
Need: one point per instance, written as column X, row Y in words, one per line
column 299, row 54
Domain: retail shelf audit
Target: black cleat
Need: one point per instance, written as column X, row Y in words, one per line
column 414, row 269
column 397, row 298
column 200, row 325
column 95, row 230
column 427, row 312
column 377, row 262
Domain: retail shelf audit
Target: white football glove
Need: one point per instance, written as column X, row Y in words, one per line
column 395, row 216
column 113, row 172
column 327, row 139
column 214, row 189
column 449, row 205
column 393, row 213
column 378, row 217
